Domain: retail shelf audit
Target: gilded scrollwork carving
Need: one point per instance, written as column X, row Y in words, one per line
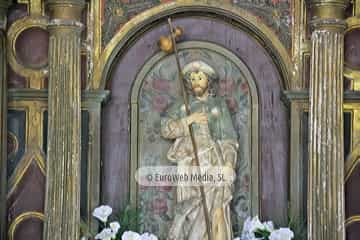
column 266, row 35
column 21, row 218
column 34, row 71
column 12, row 144
column 276, row 14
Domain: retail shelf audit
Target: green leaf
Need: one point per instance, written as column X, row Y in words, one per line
column 128, row 219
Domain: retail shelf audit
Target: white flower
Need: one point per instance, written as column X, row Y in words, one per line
column 105, row 234
column 252, row 225
column 129, row 235
column 269, row 226
column 255, row 224
column 115, row 226
column 237, row 238
column 148, row 236
column 282, row 234
column 246, row 234
column 247, row 225
column 102, row 213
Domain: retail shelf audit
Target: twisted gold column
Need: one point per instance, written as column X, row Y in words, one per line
column 326, row 167
column 63, row 163
column 3, row 112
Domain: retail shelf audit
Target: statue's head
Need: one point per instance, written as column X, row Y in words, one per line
column 200, row 78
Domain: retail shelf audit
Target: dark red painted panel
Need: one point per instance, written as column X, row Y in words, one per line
column 15, row 80
column 29, row 194
column 352, row 194
column 353, row 231
column 29, row 229
column 32, row 47
column 352, row 49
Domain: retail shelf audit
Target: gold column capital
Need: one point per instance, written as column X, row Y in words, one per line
column 335, row 3
column 65, row 16
column 66, row 9
column 328, row 14
column 328, row 9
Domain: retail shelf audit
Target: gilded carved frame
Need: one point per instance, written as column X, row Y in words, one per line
column 239, row 18
column 254, row 120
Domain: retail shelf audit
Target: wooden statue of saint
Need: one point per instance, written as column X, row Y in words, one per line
column 217, row 144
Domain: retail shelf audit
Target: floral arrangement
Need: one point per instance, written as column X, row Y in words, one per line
column 114, row 230
column 126, row 225
column 256, row 230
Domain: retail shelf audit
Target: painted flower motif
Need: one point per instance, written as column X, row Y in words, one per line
column 105, row 234
column 148, row 236
column 232, row 104
column 160, row 103
column 245, row 183
column 244, row 87
column 282, row 234
column 146, row 85
column 247, row 179
column 115, row 226
column 102, row 213
column 12, row 144
column 129, row 235
column 159, row 206
column 161, row 85
column 226, row 86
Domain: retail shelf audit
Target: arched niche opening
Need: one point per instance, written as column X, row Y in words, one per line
column 133, row 54
column 155, row 90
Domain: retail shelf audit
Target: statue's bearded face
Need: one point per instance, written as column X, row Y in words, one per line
column 199, row 83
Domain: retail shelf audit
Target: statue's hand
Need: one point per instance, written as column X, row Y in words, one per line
column 197, row 117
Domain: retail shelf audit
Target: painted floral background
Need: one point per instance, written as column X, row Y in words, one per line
column 274, row 13
column 159, row 90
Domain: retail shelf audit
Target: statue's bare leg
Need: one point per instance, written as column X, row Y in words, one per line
column 218, row 225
